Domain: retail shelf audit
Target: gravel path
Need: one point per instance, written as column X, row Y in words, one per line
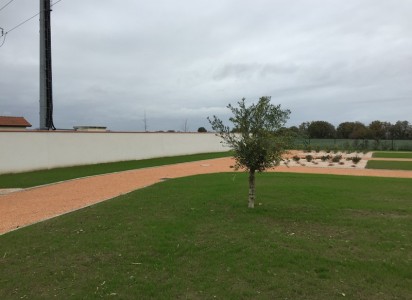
column 25, row 207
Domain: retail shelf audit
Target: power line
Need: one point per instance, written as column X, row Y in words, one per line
column 4, row 40
column 54, row 3
column 17, row 26
column 6, row 5
column 22, row 23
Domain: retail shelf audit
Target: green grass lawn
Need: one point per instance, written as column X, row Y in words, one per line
column 35, row 178
column 310, row 237
column 392, row 155
column 389, row 165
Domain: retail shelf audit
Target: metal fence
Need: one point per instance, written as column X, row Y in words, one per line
column 352, row 144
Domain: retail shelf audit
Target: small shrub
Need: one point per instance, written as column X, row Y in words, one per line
column 317, row 149
column 309, row 158
column 336, row 158
column 356, row 159
column 341, row 163
column 308, row 148
column 296, row 158
column 325, row 157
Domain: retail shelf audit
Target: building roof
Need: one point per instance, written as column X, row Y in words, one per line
column 6, row 121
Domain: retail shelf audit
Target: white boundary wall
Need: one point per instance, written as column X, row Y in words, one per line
column 33, row 150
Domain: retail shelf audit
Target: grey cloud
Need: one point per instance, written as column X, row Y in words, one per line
column 247, row 71
column 323, row 59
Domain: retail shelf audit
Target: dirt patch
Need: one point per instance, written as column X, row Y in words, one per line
column 18, row 209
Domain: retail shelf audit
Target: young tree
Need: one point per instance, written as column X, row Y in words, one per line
column 257, row 143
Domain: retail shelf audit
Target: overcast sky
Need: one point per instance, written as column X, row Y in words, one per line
column 332, row 60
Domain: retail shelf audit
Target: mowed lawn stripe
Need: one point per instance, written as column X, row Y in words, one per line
column 389, row 165
column 392, row 155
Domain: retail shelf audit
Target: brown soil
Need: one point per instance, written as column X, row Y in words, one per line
column 25, row 207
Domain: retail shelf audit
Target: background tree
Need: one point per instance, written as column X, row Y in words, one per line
column 345, row 129
column 321, row 130
column 377, row 130
column 201, row 129
column 303, row 129
column 258, row 145
column 401, row 130
column 359, row 131
column 352, row 130
column 291, row 131
column 294, row 130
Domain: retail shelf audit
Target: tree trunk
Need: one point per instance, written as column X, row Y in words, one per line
column 252, row 189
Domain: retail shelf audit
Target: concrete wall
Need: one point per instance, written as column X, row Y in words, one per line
column 32, row 150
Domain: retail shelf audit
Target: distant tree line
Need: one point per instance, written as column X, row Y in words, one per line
column 376, row 130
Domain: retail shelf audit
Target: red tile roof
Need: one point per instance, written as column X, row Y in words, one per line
column 13, row 122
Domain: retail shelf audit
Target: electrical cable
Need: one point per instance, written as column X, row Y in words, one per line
column 4, row 40
column 6, row 5
column 24, row 22
column 54, row 3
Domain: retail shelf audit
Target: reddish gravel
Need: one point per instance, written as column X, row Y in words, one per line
column 22, row 208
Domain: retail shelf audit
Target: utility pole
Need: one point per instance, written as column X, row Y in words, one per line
column 185, row 128
column 46, row 88
column 145, row 122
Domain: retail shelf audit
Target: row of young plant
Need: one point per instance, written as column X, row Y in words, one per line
column 331, row 159
column 337, row 158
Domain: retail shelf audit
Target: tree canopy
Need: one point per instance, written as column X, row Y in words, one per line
column 321, row 130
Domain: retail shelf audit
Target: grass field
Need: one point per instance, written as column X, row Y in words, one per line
column 389, row 165
column 35, row 178
column 310, row 237
column 392, row 155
